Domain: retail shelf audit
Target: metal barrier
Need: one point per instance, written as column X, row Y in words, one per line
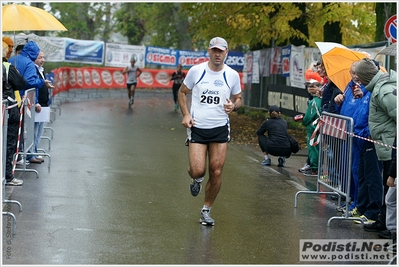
column 28, row 130
column 4, row 153
column 335, row 161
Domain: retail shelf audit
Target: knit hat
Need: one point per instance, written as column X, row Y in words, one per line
column 366, row 70
column 274, row 108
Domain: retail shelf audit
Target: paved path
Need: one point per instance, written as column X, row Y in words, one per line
column 117, row 193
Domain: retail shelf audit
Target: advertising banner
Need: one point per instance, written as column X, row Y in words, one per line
column 297, row 69
column 119, row 55
column 83, row 51
column 67, row 78
column 285, row 59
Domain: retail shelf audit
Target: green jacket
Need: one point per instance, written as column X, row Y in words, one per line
column 382, row 112
column 312, row 113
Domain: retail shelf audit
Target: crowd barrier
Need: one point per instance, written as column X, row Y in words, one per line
column 4, row 153
column 28, row 126
column 335, row 134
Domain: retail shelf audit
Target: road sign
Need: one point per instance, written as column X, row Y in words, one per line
column 390, row 29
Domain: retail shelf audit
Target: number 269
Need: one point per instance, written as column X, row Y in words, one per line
column 210, row 99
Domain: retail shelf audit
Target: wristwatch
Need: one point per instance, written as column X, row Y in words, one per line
column 235, row 107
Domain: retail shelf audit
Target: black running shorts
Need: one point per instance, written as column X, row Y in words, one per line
column 204, row 136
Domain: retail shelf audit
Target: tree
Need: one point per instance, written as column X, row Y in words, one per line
column 158, row 24
column 84, row 20
column 259, row 24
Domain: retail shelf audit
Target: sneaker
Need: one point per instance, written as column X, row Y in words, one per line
column 310, row 173
column 266, row 162
column 374, row 227
column 130, row 102
column 176, row 107
column 15, row 182
column 281, row 162
column 195, row 186
column 353, row 213
column 364, row 220
column 305, row 167
column 21, row 162
column 206, row 218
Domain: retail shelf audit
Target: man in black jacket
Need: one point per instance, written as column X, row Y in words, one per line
column 12, row 81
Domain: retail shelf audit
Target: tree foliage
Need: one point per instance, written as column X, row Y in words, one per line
column 251, row 24
column 84, row 20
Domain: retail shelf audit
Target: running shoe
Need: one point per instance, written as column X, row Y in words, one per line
column 281, row 162
column 306, row 167
column 206, row 218
column 15, row 182
column 266, row 162
column 195, row 186
column 364, row 219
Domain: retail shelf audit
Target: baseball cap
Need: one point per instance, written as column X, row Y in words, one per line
column 219, row 43
column 274, row 108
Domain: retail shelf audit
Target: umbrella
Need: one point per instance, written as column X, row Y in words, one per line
column 324, row 47
column 337, row 61
column 44, row 44
column 28, row 18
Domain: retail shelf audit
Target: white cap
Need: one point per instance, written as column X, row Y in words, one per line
column 219, row 43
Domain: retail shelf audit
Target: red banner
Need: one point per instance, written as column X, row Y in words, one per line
column 67, row 78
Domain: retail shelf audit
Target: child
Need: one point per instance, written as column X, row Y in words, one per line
column 312, row 113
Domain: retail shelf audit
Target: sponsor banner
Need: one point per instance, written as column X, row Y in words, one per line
column 285, row 59
column 275, row 61
column 59, row 55
column 191, row 58
column 119, row 55
column 83, row 51
column 67, row 78
column 297, row 70
column 161, row 56
column 264, row 66
column 347, row 250
column 171, row 57
column 255, row 66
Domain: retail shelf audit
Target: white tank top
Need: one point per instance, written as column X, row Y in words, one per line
column 132, row 75
column 209, row 90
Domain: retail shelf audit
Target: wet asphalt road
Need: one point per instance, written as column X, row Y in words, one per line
column 117, row 192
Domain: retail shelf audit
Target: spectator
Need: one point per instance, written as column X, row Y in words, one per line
column 12, row 82
column 313, row 112
column 24, row 62
column 347, row 104
column 18, row 49
column 10, row 44
column 44, row 101
column 311, row 73
column 177, row 78
column 276, row 143
column 330, row 90
column 382, row 120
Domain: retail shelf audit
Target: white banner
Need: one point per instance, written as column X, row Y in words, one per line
column 297, row 68
column 119, row 55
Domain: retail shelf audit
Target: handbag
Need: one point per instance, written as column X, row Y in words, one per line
column 294, row 144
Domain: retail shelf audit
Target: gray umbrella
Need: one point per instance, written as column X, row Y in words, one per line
column 389, row 51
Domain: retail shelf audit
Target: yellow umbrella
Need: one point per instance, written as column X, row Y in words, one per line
column 337, row 62
column 28, row 18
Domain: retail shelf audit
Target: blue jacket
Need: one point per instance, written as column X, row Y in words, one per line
column 361, row 119
column 25, row 64
column 350, row 104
